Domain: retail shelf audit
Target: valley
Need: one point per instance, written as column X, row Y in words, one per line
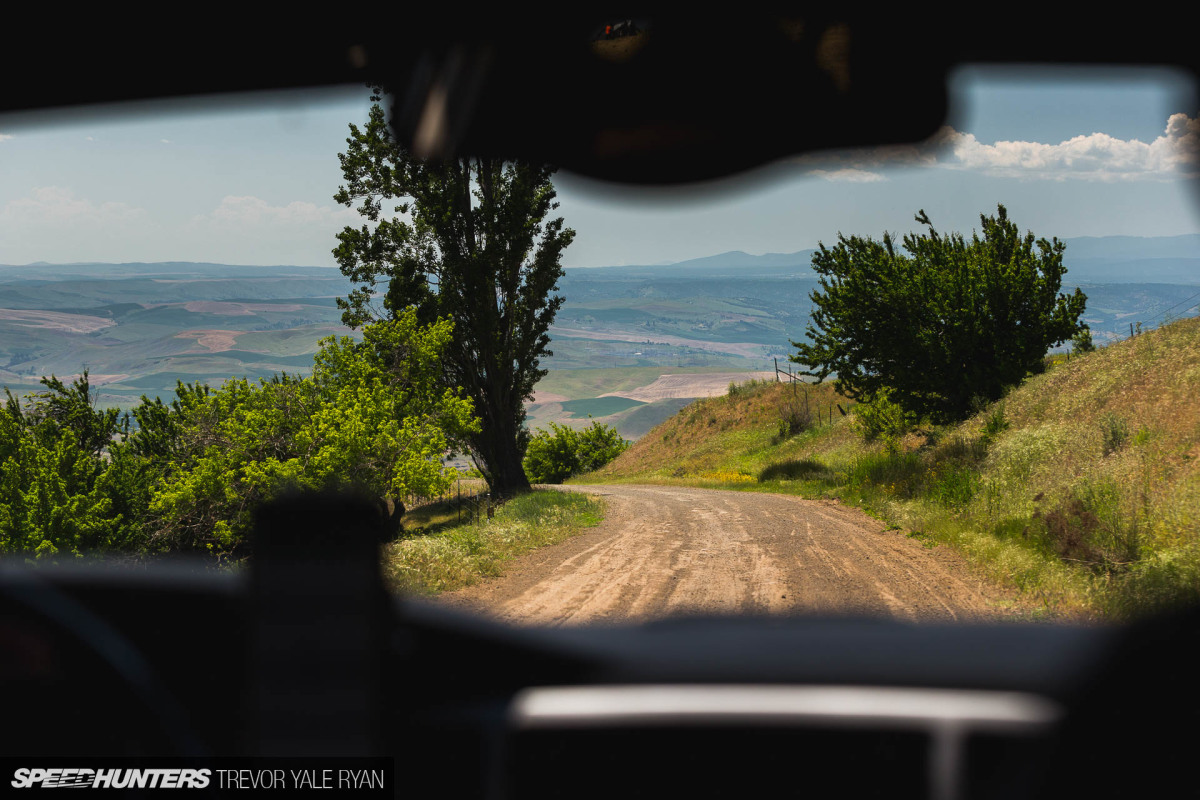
column 631, row 344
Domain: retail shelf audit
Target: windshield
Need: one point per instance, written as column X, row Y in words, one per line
column 795, row 391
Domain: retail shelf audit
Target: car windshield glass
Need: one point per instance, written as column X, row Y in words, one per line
column 939, row 381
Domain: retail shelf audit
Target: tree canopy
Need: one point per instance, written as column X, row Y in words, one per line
column 943, row 324
column 470, row 240
column 557, row 454
column 58, row 495
column 373, row 418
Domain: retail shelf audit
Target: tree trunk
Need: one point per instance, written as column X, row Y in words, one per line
column 496, row 452
column 500, row 463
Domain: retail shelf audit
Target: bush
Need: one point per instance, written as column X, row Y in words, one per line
column 557, row 454
column 794, row 418
column 953, row 485
column 939, row 320
column 880, row 416
column 1115, row 432
column 995, row 424
column 1092, row 526
column 1081, row 342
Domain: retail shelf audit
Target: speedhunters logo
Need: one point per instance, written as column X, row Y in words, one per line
column 218, row 777
column 84, row 778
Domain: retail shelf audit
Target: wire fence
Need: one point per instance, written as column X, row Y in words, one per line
column 468, row 498
column 823, row 413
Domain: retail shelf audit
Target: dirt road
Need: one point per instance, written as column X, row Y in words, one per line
column 665, row 550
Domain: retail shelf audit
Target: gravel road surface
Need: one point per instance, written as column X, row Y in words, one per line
column 665, row 550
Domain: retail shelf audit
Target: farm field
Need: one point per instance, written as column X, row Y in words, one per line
column 139, row 328
column 632, row 399
column 655, row 336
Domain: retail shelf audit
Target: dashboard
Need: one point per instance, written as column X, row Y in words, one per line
column 305, row 655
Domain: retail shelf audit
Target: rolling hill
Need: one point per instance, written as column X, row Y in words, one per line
column 1081, row 488
column 139, row 327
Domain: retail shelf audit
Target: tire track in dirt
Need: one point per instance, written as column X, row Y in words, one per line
column 667, row 550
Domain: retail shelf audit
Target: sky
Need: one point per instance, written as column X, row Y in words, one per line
column 1069, row 152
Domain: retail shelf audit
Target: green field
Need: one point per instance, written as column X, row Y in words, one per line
column 599, row 406
column 635, row 423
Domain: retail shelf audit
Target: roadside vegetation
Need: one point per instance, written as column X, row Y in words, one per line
column 451, row 553
column 188, row 476
column 554, row 455
column 452, row 299
column 1080, row 488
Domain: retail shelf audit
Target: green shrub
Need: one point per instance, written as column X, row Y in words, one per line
column 995, row 424
column 794, row 418
column 1115, row 432
column 1081, row 342
column 879, row 416
column 1093, row 526
column 953, row 485
column 557, row 454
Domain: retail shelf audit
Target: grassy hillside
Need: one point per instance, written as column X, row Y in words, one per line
column 1082, row 488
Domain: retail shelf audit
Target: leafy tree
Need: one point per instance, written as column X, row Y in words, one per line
column 372, row 417
column 65, row 475
column 557, row 454
column 943, row 324
column 61, row 407
column 472, row 242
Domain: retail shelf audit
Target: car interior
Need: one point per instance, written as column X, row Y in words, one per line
column 306, row 654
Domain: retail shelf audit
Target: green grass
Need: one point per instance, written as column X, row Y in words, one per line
column 599, row 406
column 442, row 554
column 634, row 423
column 1081, row 490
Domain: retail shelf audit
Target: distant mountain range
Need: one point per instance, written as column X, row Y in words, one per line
column 1089, row 259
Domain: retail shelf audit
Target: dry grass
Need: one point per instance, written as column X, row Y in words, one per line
column 447, row 554
column 1082, row 490
column 727, row 433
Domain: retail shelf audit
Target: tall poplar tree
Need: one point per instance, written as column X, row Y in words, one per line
column 466, row 239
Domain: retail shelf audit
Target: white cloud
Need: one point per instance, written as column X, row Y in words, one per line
column 249, row 230
column 1094, row 157
column 5, row 137
column 253, row 212
column 165, row 141
column 56, row 205
column 848, row 175
column 54, row 224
